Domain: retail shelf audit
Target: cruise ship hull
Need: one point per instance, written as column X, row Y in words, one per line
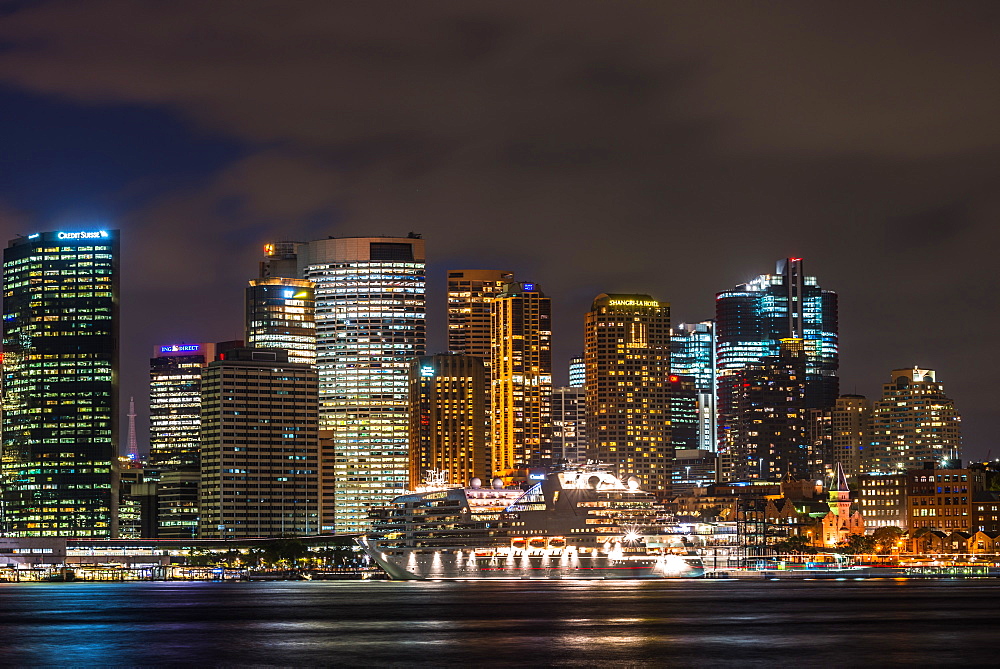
column 451, row 564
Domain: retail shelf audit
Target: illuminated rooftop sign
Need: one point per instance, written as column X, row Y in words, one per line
column 180, row 348
column 528, row 287
column 426, row 371
column 633, row 303
column 99, row 234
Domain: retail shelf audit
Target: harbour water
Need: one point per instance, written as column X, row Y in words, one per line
column 703, row 623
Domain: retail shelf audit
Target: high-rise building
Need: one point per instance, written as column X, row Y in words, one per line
column 521, row 381
column 448, row 419
column 259, row 446
column 60, row 395
column 819, row 437
column 764, row 436
column 753, row 318
column 577, row 372
column 281, row 313
column 840, row 435
column 569, row 424
column 627, row 353
column 370, row 324
column 170, row 486
column 470, row 328
column 692, row 353
column 175, row 403
column 176, row 499
column 684, row 412
column 470, row 292
column 913, row 423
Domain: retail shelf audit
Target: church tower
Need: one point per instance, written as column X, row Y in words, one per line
column 840, row 495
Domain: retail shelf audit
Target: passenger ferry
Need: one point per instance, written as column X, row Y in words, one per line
column 578, row 523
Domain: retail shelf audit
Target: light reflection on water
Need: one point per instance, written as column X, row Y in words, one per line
column 676, row 623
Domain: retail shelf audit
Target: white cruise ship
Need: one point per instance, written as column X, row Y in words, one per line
column 578, row 523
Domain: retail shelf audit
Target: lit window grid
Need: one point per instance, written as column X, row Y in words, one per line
column 59, row 436
column 370, row 321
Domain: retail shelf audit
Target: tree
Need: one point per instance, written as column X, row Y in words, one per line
column 200, row 557
column 283, row 552
column 857, row 544
column 710, row 513
column 797, row 545
column 886, row 538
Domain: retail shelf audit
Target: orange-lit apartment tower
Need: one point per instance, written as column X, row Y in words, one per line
column 470, row 292
column 627, row 356
column 521, row 377
column 448, row 419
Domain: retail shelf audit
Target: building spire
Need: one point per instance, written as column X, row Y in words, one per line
column 840, row 480
column 133, row 447
column 840, row 495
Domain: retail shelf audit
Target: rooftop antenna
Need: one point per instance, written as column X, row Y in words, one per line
column 133, row 447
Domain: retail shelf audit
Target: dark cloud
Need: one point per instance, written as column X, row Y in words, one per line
column 929, row 229
column 669, row 148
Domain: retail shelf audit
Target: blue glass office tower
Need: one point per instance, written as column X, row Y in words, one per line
column 577, row 372
column 60, row 398
column 692, row 354
column 753, row 318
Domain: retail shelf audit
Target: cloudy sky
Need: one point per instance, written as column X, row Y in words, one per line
column 670, row 148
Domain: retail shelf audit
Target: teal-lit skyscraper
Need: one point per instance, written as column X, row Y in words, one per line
column 60, row 418
column 577, row 372
column 753, row 318
column 692, row 354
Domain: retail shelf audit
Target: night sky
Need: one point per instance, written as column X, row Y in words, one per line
column 674, row 149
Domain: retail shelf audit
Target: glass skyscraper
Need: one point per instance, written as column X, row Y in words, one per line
column 60, row 413
column 370, row 324
column 764, row 435
column 281, row 313
column 175, row 403
column 692, row 354
column 753, row 318
column 577, row 372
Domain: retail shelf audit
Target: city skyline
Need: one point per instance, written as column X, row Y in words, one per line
column 669, row 149
column 340, row 316
column 437, row 324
